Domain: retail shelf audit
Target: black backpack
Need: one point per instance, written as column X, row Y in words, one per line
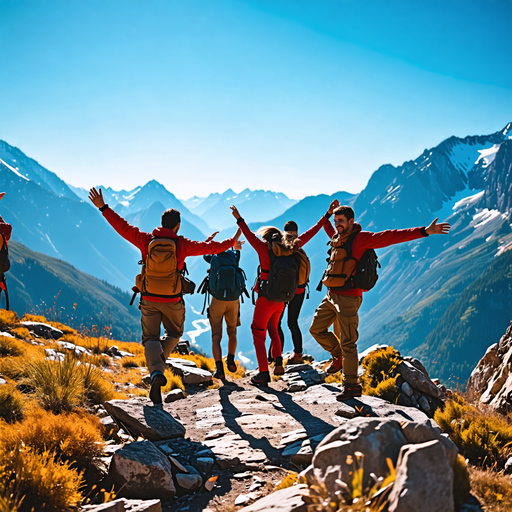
column 283, row 278
column 365, row 274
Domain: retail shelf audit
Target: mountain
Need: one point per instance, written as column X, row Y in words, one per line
column 30, row 170
column 256, row 205
column 43, row 285
column 193, row 202
column 141, row 198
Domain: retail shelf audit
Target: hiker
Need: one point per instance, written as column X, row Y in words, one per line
column 277, row 282
column 225, row 283
column 343, row 300
column 160, row 282
column 5, row 265
column 295, row 305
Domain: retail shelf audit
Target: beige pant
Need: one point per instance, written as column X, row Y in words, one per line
column 156, row 349
column 224, row 309
column 343, row 309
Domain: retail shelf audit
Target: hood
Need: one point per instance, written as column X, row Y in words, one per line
column 164, row 233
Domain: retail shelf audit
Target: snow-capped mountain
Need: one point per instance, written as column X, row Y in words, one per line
column 255, row 206
column 28, row 169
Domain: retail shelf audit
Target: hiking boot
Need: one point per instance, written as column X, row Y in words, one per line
column 349, row 391
column 278, row 367
column 295, row 359
column 219, row 372
column 230, row 361
column 260, row 379
column 155, row 391
column 335, row 366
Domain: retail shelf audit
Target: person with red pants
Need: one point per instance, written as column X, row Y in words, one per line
column 295, row 305
column 266, row 313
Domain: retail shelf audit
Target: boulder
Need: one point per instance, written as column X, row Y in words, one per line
column 204, row 465
column 141, row 417
column 77, row 349
column 424, row 480
column 190, row 374
column 173, row 395
column 124, row 505
column 406, row 389
column 285, row 500
column 377, row 439
column 43, row 330
column 190, row 483
column 417, row 379
column 143, row 471
column 53, row 355
column 484, row 370
column 417, row 364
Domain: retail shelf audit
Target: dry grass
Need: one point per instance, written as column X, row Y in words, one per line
column 99, row 360
column 12, row 403
column 385, row 389
column 130, row 362
column 482, row 436
column 11, row 347
column 200, row 361
column 492, row 489
column 22, row 332
column 8, row 318
column 173, row 381
column 335, row 378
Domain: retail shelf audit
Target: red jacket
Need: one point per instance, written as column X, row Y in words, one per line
column 5, row 228
column 368, row 240
column 261, row 247
column 185, row 247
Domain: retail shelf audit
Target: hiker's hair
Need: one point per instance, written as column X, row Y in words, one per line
column 171, row 218
column 346, row 211
column 291, row 225
column 271, row 234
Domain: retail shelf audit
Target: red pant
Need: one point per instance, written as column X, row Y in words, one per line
column 266, row 317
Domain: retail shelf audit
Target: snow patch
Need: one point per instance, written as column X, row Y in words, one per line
column 485, row 216
column 468, row 200
column 488, row 155
column 464, row 156
column 15, row 171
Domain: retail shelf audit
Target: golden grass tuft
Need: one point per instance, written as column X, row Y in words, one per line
column 173, row 382
column 482, row 436
column 63, row 386
column 334, row 378
column 129, row 362
column 75, row 437
column 385, row 389
column 290, row 479
column 44, row 482
column 8, row 318
column 13, row 368
column 99, row 360
column 27, row 317
column 461, row 484
column 22, row 332
column 494, row 490
column 200, row 361
column 10, row 347
column 12, row 403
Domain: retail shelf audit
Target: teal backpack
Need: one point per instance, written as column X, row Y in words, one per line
column 225, row 279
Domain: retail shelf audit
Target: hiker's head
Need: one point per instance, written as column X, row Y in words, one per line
column 343, row 219
column 270, row 234
column 171, row 219
column 291, row 231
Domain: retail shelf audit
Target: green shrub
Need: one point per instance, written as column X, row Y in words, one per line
column 11, row 403
column 385, row 389
column 481, row 436
column 379, row 364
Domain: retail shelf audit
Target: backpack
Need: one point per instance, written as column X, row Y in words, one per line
column 160, row 276
column 5, row 263
column 225, row 280
column 344, row 272
column 304, row 269
column 283, row 275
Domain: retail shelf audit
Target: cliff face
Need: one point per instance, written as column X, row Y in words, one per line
column 491, row 380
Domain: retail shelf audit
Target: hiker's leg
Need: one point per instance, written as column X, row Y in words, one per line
column 294, row 307
column 281, row 338
column 215, row 315
column 232, row 316
column 150, row 320
column 336, row 329
column 273, row 331
column 348, row 318
column 323, row 318
column 262, row 313
column 173, row 318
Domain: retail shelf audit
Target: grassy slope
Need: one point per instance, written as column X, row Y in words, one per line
column 42, row 284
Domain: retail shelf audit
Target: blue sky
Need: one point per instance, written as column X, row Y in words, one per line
column 303, row 97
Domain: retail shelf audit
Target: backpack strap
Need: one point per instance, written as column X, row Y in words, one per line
column 135, row 292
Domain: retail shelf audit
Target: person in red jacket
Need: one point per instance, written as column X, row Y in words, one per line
column 295, row 305
column 343, row 304
column 157, row 309
column 267, row 313
column 6, row 230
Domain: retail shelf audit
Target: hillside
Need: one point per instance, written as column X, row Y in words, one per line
column 39, row 284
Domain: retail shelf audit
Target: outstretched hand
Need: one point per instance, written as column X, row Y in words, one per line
column 237, row 235
column 438, row 229
column 235, row 212
column 96, row 197
column 212, row 236
column 238, row 245
column 333, row 206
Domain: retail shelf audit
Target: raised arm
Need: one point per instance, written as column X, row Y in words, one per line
column 312, row 231
column 259, row 245
column 131, row 233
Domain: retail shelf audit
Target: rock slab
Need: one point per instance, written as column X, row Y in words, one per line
column 285, row 500
column 141, row 417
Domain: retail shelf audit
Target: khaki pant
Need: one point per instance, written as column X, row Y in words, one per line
column 343, row 309
column 224, row 309
column 156, row 349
